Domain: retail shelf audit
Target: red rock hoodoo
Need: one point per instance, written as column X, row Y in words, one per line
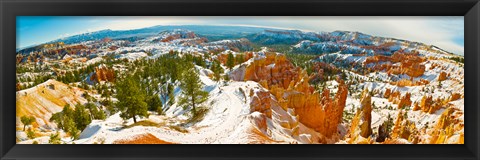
column 289, row 85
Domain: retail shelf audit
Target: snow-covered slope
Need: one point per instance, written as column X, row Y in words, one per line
column 45, row 99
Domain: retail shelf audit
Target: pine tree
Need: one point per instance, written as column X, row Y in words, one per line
column 131, row 99
column 230, row 61
column 166, row 95
column 66, row 121
column 199, row 61
column 192, row 90
column 95, row 112
column 239, row 58
column 171, row 95
column 217, row 70
column 82, row 117
column 27, row 121
column 154, row 103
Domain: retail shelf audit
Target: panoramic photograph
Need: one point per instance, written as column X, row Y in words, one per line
column 239, row 80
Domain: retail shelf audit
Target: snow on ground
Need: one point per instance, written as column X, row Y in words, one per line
column 229, row 118
column 133, row 56
column 228, row 121
column 94, row 60
column 45, row 99
column 453, row 84
column 227, row 112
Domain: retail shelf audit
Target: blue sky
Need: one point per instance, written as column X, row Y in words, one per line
column 445, row 32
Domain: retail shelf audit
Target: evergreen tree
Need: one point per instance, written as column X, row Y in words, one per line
column 66, row 121
column 82, row 117
column 27, row 121
column 131, row 99
column 192, row 90
column 230, row 61
column 217, row 70
column 239, row 58
column 154, row 103
column 95, row 113
column 171, row 95
column 199, row 61
column 58, row 119
column 69, row 125
column 166, row 95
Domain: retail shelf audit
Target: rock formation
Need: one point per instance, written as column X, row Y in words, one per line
column 261, row 102
column 260, row 120
column 178, row 36
column 387, row 93
column 406, row 82
column 409, row 63
column 404, row 128
column 360, row 130
column 383, row 132
column 366, row 106
column 442, row 76
column 102, row 73
column 405, row 101
column 289, row 85
column 455, row 96
column 428, row 105
column 396, row 98
column 445, row 127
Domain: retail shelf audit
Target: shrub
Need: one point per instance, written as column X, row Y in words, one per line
column 55, row 138
column 31, row 134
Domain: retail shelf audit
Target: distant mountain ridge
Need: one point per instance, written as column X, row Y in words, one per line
column 258, row 35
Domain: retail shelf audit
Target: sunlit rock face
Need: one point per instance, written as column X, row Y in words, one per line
column 261, row 102
column 410, row 63
column 428, row 105
column 448, row 129
column 404, row 129
column 405, row 101
column 102, row 73
column 397, row 98
column 407, row 82
column 289, row 85
column 260, row 120
column 366, row 106
column 360, row 126
column 323, row 114
column 273, row 68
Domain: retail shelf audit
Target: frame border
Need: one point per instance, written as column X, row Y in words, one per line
column 9, row 9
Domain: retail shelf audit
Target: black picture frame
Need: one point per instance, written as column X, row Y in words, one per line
column 9, row 9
